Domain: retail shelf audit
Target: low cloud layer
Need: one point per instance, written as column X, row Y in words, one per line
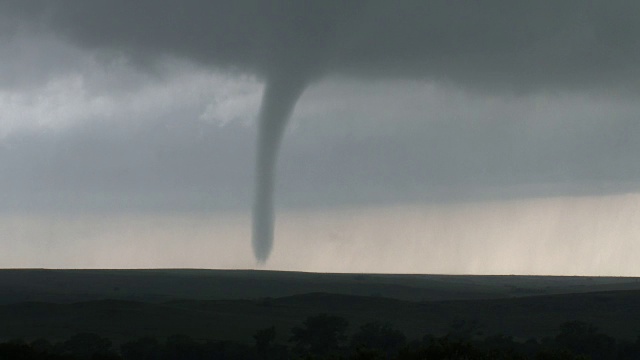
column 197, row 155
column 593, row 236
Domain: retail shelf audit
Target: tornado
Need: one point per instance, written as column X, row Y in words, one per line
column 278, row 101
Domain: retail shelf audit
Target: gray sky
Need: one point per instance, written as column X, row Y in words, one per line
column 112, row 108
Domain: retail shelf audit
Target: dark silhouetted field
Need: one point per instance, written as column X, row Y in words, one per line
column 232, row 305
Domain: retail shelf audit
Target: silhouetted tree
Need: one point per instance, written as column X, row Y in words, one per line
column 264, row 341
column 141, row 349
column 182, row 347
column 465, row 330
column 320, row 335
column 228, row 350
column 559, row 354
column 42, row 346
column 368, row 354
column 629, row 351
column 378, row 337
column 16, row 350
column 500, row 347
column 445, row 348
column 584, row 339
column 88, row 346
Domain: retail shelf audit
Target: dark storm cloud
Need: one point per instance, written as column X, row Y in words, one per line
column 517, row 45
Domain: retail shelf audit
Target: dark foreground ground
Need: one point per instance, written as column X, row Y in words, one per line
column 122, row 305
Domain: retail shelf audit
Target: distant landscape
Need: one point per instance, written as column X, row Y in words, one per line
column 233, row 305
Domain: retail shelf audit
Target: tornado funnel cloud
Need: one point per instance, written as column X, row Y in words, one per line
column 279, row 99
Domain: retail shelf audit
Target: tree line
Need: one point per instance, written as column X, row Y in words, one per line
column 326, row 337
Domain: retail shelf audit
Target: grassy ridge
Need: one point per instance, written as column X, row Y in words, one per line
column 238, row 319
column 67, row 286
